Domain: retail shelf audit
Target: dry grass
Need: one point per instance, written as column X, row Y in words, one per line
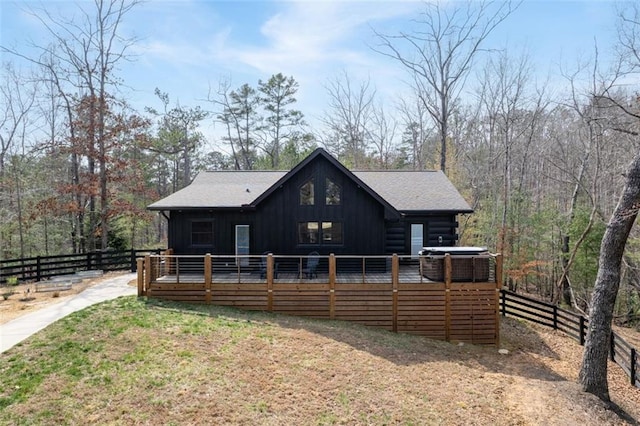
column 133, row 361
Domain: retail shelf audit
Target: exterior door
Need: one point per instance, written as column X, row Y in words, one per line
column 242, row 244
column 417, row 238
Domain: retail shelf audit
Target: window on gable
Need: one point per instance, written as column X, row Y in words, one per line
column 332, row 193
column 202, row 233
column 307, row 193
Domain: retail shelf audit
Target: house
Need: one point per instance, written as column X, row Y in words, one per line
column 318, row 206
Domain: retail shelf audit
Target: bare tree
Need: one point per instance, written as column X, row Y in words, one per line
column 504, row 98
column 17, row 99
column 440, row 52
column 382, row 134
column 590, row 135
column 418, row 132
column 348, row 118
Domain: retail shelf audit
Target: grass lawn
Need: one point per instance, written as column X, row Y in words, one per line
column 138, row 361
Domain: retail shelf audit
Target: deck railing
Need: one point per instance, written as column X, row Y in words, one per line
column 385, row 291
column 351, row 268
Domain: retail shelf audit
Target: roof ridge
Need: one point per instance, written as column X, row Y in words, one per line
column 245, row 171
column 395, row 171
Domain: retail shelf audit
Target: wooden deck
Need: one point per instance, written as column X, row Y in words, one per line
column 400, row 300
column 407, row 274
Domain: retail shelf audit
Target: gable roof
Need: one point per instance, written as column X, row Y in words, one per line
column 221, row 188
column 425, row 191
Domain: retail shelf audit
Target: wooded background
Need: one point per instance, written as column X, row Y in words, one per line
column 542, row 167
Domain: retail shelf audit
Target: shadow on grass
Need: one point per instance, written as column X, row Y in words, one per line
column 524, row 344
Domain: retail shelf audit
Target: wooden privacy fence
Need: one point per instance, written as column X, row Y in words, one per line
column 572, row 324
column 383, row 291
column 41, row 267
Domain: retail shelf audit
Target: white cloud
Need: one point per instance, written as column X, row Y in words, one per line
column 315, row 41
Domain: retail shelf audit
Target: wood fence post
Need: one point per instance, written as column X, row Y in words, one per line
column 497, row 305
column 147, row 274
column 98, row 262
column 332, row 286
column 499, row 270
column 38, row 269
column 207, row 278
column 140, row 272
column 270, row 282
column 581, row 331
column 395, row 272
column 167, row 260
column 133, row 261
column 177, row 270
column 447, row 297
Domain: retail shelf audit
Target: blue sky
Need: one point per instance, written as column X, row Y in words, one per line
column 187, row 47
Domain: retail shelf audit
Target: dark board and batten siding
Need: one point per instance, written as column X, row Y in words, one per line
column 362, row 217
column 224, row 223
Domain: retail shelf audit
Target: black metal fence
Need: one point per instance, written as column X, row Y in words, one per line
column 573, row 325
column 42, row 267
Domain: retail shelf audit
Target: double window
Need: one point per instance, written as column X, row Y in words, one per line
column 332, row 193
column 320, row 233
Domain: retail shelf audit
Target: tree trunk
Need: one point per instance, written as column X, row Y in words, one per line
column 593, row 373
column 564, row 279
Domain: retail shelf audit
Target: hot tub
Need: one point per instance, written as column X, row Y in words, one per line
column 468, row 264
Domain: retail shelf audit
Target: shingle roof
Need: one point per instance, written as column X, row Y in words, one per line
column 415, row 190
column 220, row 189
column 404, row 190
